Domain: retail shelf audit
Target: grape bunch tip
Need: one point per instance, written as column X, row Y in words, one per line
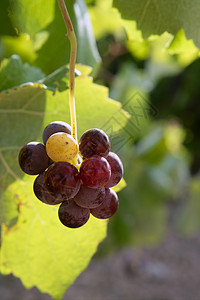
column 77, row 176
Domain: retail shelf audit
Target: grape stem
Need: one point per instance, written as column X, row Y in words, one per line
column 73, row 46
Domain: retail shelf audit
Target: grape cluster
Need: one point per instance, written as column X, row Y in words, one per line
column 78, row 177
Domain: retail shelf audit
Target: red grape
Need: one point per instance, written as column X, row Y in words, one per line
column 42, row 193
column 88, row 197
column 33, row 158
column 94, row 142
column 95, row 171
column 116, row 169
column 73, row 216
column 109, row 206
column 62, row 180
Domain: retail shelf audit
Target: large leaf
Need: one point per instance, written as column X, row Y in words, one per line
column 33, row 240
column 40, row 250
column 156, row 17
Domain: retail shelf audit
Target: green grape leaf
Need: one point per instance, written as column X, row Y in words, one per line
column 161, row 48
column 156, row 17
column 49, row 255
column 13, row 73
column 58, row 80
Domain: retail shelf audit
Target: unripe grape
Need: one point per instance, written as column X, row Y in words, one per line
column 61, row 146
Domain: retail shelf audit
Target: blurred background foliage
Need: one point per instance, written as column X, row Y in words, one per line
column 155, row 79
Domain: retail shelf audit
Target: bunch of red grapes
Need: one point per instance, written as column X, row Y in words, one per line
column 78, row 177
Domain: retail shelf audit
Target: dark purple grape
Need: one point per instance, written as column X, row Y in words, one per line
column 62, row 180
column 33, row 158
column 116, row 169
column 95, row 171
column 109, row 206
column 94, row 142
column 72, row 215
column 41, row 192
column 54, row 127
column 88, row 197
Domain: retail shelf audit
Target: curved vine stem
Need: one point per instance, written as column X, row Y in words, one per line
column 73, row 46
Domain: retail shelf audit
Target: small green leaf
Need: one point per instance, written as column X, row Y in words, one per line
column 59, row 79
column 13, row 73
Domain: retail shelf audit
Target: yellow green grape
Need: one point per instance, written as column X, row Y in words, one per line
column 61, row 146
